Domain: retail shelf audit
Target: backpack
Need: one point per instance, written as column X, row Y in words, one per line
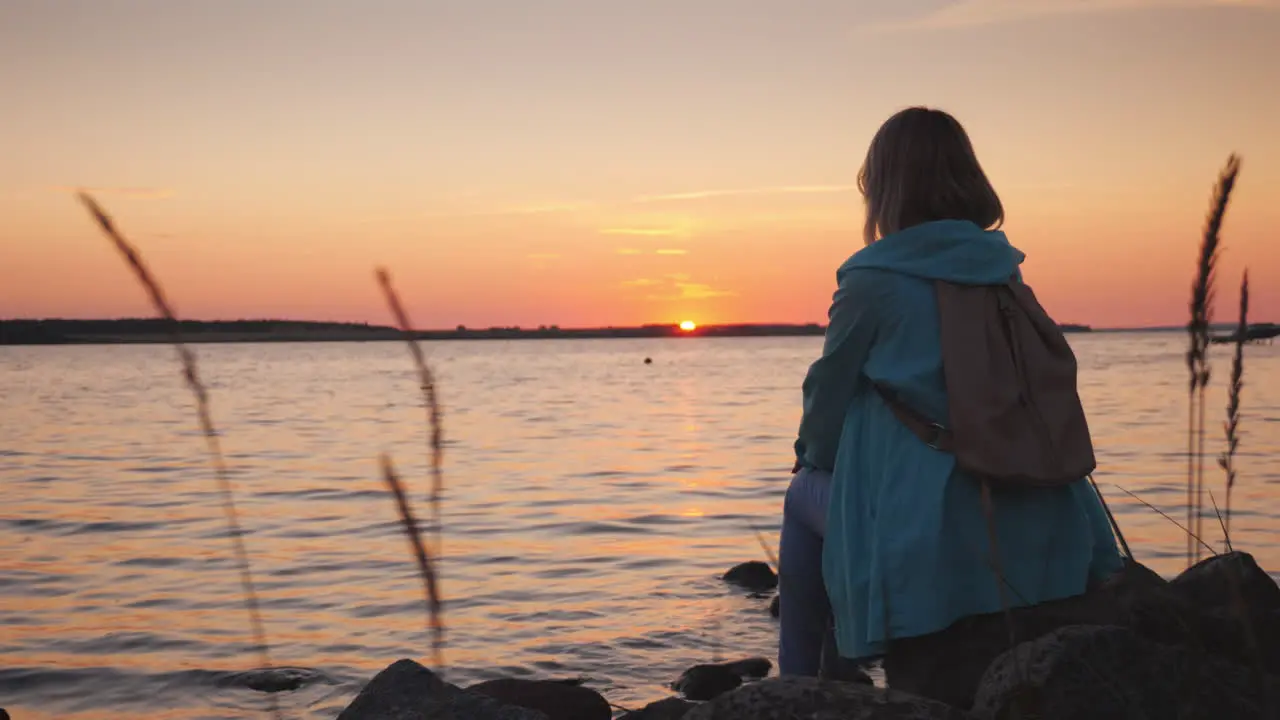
column 1015, row 413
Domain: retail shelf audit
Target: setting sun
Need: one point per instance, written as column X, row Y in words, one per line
column 688, row 326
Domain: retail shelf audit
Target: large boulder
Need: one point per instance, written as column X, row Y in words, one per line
column 665, row 709
column 1111, row 673
column 1224, row 605
column 557, row 699
column 1229, row 581
column 408, row 691
column 804, row 698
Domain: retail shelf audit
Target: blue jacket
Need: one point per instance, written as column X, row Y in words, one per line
column 906, row 551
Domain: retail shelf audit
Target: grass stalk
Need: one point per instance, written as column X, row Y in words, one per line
column 769, row 554
column 1191, row 535
column 426, row 565
column 427, row 381
column 1115, row 526
column 191, row 375
column 1202, row 292
column 1232, row 426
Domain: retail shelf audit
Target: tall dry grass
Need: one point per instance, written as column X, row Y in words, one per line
column 1202, row 294
column 1232, row 425
column 427, row 559
column 426, row 565
column 427, row 381
column 191, row 374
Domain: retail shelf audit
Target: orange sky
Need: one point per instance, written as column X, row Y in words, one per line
column 581, row 162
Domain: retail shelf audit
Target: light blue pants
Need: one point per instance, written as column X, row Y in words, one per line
column 806, row 639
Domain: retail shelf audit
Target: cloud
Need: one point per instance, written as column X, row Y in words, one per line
column 492, row 212
column 696, row 291
column 974, row 13
column 776, row 190
column 541, row 209
column 671, row 251
column 543, row 256
column 642, row 232
column 629, row 251
column 677, row 286
column 132, row 193
column 518, row 210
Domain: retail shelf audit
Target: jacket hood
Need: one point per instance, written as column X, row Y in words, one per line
column 956, row 251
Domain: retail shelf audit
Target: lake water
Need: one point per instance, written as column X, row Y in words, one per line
column 592, row 503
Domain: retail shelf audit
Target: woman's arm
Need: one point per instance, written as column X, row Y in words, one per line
column 832, row 379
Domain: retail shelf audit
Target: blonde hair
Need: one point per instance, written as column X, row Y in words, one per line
column 921, row 167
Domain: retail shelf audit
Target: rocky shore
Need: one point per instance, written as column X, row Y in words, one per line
column 1203, row 645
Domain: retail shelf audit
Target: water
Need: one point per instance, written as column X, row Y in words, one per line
column 592, row 503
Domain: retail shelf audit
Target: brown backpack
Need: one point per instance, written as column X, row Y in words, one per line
column 1015, row 414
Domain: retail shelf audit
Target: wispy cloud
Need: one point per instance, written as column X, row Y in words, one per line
column 132, row 193
column 517, row 210
column 695, row 291
column 677, row 286
column 973, row 13
column 776, row 190
column 630, row 251
column 542, row 209
column 671, row 251
column 643, row 231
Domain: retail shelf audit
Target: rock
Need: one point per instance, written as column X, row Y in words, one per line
column 755, row 575
column 703, row 682
column 1209, row 584
column 406, row 690
column 1110, row 672
column 948, row 666
column 3, row 715
column 1224, row 605
column 804, row 698
column 750, row 668
column 672, row 708
column 557, row 699
column 775, row 605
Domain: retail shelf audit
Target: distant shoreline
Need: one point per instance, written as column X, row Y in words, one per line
column 147, row 331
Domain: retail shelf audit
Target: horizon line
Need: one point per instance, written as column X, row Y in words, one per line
column 546, row 326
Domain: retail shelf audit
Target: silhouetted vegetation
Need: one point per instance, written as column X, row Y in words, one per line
column 159, row 330
column 190, row 372
column 1202, row 295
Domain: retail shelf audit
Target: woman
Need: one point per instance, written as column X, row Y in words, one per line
column 904, row 550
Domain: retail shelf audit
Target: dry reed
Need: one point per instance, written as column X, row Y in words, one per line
column 427, row 381
column 426, row 566
column 1202, row 292
column 1217, row 512
column 1191, row 535
column 769, row 554
column 1232, row 425
column 191, row 374
column 1115, row 526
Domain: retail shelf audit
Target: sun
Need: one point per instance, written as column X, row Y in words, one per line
column 688, row 326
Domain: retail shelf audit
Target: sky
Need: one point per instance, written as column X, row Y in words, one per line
column 600, row 162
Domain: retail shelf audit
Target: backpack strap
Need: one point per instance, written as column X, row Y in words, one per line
column 930, row 433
